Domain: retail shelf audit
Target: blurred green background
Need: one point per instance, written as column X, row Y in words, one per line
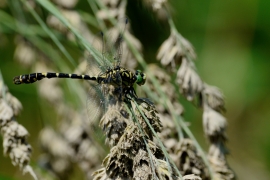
column 232, row 42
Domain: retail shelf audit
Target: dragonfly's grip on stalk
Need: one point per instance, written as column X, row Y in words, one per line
column 33, row 77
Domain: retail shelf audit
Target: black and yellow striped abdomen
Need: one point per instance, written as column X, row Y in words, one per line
column 33, row 77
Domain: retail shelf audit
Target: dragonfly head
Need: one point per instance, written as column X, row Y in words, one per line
column 141, row 77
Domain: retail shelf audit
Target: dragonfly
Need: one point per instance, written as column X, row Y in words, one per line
column 119, row 77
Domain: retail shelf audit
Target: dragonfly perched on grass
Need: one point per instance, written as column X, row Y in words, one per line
column 119, row 77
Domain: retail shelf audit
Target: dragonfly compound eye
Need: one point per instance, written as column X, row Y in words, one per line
column 141, row 77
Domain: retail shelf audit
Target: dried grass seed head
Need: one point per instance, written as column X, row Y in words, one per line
column 20, row 155
column 219, row 164
column 168, row 128
column 189, row 161
column 191, row 177
column 163, row 170
column 101, row 175
column 141, row 167
column 16, row 146
column 119, row 162
column 54, row 144
column 15, row 104
column 173, row 49
column 14, row 135
column 190, row 82
column 164, row 79
column 74, row 129
column 58, row 153
column 14, row 129
column 6, row 112
column 214, row 125
column 12, row 101
column 150, row 113
column 113, row 123
column 213, row 97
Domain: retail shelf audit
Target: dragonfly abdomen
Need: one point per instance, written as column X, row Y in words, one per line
column 33, row 77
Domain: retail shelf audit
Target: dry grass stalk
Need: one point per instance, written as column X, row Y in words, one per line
column 177, row 51
column 14, row 135
column 215, row 125
column 129, row 158
column 169, row 131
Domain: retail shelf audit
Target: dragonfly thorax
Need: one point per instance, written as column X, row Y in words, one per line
column 120, row 76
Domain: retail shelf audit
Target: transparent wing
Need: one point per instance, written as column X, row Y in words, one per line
column 109, row 52
column 96, row 106
column 100, row 58
column 113, row 42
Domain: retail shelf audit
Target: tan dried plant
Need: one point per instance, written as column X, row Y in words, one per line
column 14, row 135
column 177, row 52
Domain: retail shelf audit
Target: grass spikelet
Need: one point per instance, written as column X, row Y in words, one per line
column 188, row 160
column 14, row 135
column 176, row 51
column 113, row 123
column 218, row 162
column 191, row 177
column 190, row 82
column 173, row 49
column 148, row 110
